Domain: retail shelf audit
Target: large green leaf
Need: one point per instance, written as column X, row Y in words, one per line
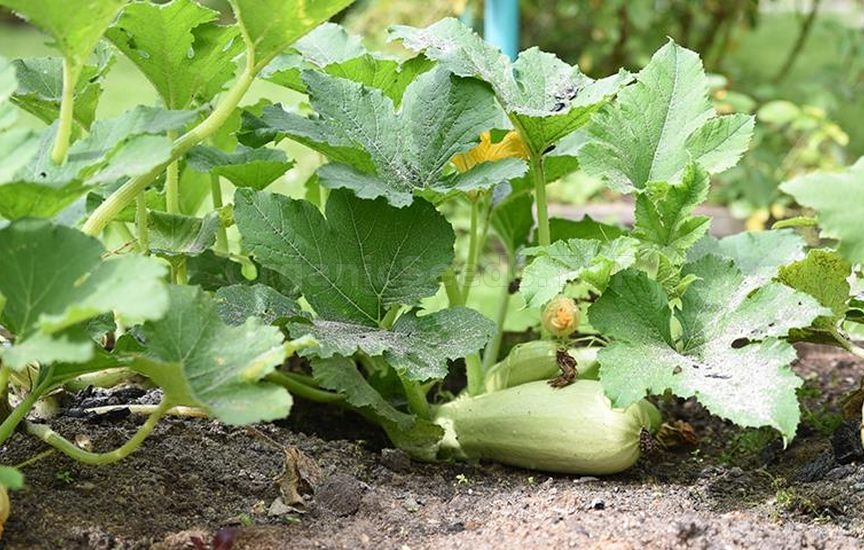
column 591, row 261
column 245, row 167
column 180, row 49
column 379, row 151
column 419, row 347
column 126, row 146
column 200, row 361
column 273, row 25
column 546, row 97
column 75, row 29
column 40, row 88
column 838, row 199
column 365, row 257
column 53, row 279
column 730, row 354
column 662, row 123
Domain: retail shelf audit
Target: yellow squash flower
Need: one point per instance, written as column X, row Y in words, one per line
column 485, row 151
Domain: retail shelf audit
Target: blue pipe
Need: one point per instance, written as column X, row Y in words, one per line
column 501, row 25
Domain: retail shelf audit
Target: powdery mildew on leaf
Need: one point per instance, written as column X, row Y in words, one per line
column 729, row 353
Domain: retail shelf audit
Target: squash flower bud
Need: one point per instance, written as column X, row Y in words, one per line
column 561, row 316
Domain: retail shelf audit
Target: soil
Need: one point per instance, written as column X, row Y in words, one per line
column 194, row 478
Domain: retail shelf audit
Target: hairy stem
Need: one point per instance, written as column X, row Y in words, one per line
column 49, row 436
column 473, row 251
column 474, row 373
column 67, row 114
column 221, row 247
column 543, row 234
column 172, row 184
column 119, row 199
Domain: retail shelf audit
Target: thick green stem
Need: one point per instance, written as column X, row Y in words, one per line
column 490, row 355
column 543, row 235
column 302, row 389
column 474, row 238
column 118, row 200
column 67, row 114
column 172, row 184
column 141, row 223
column 416, row 396
column 474, row 373
column 221, row 247
column 20, row 411
column 68, row 448
column 451, row 285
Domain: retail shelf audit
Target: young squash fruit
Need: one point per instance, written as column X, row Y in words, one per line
column 573, row 430
column 538, row 360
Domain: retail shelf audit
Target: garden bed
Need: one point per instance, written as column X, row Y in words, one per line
column 194, row 476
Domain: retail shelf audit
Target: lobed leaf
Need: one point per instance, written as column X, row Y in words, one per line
column 126, row 146
column 330, row 48
column 663, row 212
column 544, row 96
column 356, row 263
column 48, row 295
column 200, row 361
column 730, row 354
column 179, row 48
column 379, row 151
column 591, row 261
column 661, row 124
column 75, row 31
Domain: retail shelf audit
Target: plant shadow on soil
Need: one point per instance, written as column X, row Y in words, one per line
column 193, row 477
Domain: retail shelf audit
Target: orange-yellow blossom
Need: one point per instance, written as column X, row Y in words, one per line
column 485, row 151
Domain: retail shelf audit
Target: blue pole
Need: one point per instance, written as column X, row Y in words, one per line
column 501, row 25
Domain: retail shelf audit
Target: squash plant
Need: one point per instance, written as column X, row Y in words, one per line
column 208, row 299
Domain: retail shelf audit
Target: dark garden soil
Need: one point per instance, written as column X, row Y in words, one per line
column 194, row 477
